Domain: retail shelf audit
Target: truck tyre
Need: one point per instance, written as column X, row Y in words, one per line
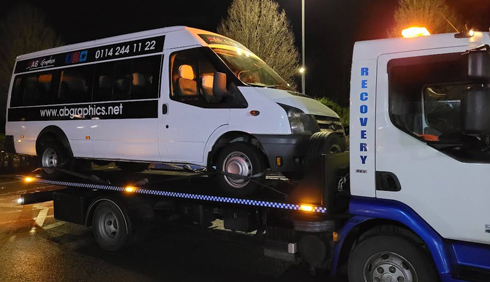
column 322, row 143
column 242, row 159
column 389, row 258
column 50, row 156
column 132, row 167
column 109, row 226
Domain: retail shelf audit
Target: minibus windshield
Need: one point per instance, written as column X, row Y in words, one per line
column 250, row 69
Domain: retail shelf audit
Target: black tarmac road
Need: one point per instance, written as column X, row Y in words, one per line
column 36, row 247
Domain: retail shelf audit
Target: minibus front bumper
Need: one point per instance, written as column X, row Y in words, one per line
column 285, row 153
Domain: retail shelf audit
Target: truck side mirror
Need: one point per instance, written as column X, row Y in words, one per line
column 219, row 85
column 479, row 64
column 475, row 111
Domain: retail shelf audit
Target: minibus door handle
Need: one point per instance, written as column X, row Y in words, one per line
column 164, row 109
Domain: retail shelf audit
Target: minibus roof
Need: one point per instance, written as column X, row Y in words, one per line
column 175, row 37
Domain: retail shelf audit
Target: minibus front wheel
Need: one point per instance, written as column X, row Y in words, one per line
column 245, row 161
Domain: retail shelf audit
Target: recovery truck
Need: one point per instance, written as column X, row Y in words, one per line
column 409, row 201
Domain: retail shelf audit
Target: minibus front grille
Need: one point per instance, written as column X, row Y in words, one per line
column 328, row 123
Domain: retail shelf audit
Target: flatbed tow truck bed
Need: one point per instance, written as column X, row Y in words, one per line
column 185, row 185
column 277, row 217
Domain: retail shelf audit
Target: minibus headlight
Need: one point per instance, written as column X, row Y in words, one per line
column 300, row 122
column 296, row 117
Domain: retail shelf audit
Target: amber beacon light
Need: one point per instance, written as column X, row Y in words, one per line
column 415, row 32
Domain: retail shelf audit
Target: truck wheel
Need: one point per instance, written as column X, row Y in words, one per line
column 109, row 226
column 51, row 155
column 242, row 159
column 389, row 258
column 322, row 143
column 132, row 167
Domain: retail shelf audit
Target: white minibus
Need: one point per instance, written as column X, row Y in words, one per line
column 170, row 95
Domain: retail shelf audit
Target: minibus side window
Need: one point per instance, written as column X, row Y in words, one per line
column 183, row 74
column 192, row 78
column 122, row 80
column 76, row 85
column 128, row 79
column 104, row 78
column 34, row 89
column 145, row 78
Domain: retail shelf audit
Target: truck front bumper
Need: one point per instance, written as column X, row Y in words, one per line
column 285, row 153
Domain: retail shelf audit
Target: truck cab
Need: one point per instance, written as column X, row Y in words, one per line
column 419, row 137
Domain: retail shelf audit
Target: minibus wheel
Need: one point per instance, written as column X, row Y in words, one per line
column 52, row 155
column 242, row 159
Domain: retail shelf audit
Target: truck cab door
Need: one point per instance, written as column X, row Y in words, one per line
column 418, row 101
column 191, row 114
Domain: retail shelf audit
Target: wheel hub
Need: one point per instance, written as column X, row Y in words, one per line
column 389, row 267
column 49, row 160
column 237, row 163
column 109, row 226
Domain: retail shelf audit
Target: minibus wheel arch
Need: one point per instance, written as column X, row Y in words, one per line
column 53, row 133
column 231, row 137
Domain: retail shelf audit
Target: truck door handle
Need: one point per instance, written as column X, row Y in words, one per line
column 164, row 109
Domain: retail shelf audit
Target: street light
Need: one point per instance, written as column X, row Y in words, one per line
column 302, row 70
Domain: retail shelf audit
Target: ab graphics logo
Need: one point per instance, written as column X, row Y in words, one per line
column 41, row 63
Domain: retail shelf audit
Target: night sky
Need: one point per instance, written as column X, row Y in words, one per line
column 332, row 27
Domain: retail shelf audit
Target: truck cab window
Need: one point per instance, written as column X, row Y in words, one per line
column 425, row 101
column 442, row 112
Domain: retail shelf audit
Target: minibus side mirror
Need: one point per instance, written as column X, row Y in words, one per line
column 219, row 85
column 475, row 111
column 479, row 64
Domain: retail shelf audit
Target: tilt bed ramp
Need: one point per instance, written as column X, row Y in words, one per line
column 290, row 219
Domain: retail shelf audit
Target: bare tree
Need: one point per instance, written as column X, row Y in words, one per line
column 435, row 15
column 264, row 29
column 23, row 30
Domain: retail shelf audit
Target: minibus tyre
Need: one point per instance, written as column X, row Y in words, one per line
column 240, row 157
column 132, row 167
column 52, row 154
column 323, row 143
column 389, row 255
column 109, row 226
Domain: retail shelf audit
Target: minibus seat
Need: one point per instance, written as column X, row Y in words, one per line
column 138, row 82
column 186, row 85
column 207, row 81
column 77, row 86
column 105, row 88
column 31, row 91
column 121, row 89
column 138, row 79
